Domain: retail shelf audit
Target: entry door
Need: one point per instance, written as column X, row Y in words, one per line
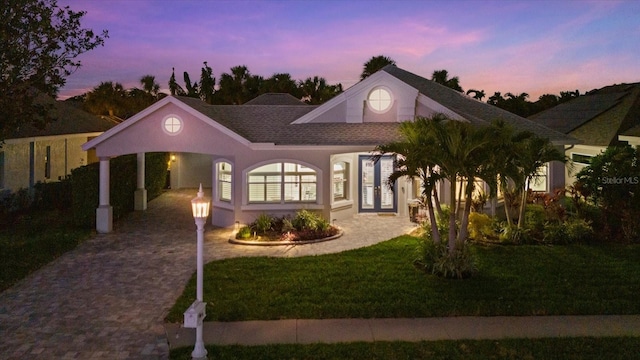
column 375, row 195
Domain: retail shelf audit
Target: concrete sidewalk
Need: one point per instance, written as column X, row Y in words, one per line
column 429, row 329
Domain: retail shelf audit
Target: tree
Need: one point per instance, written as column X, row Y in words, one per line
column 174, row 88
column 108, row 98
column 316, row 91
column 40, row 42
column 238, row 86
column 374, row 64
column 438, row 148
column 442, row 77
column 611, row 182
column 281, row 83
column 207, row 84
column 477, row 94
column 149, row 85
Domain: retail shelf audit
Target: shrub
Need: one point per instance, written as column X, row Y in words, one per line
column 512, row 234
column 534, row 218
column 579, row 230
column 305, row 220
column 555, row 233
column 437, row 260
column 480, row 226
column 264, row 223
column 244, row 233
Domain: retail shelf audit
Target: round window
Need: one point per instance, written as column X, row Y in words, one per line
column 380, row 100
column 172, row 125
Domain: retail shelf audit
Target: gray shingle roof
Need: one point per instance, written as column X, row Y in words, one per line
column 275, row 99
column 268, row 119
column 598, row 117
column 475, row 111
column 272, row 124
column 70, row 120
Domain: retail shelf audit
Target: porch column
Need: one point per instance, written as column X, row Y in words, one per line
column 104, row 212
column 140, row 196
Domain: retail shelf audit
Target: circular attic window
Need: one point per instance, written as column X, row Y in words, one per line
column 172, row 125
column 379, row 100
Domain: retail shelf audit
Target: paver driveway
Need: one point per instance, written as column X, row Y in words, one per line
column 107, row 299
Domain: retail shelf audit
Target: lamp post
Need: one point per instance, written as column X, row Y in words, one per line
column 200, row 208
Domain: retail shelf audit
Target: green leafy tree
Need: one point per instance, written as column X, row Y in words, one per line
column 477, row 94
column 238, row 86
column 612, row 182
column 374, row 64
column 281, row 83
column 39, row 44
column 442, row 77
column 149, row 85
column 108, row 98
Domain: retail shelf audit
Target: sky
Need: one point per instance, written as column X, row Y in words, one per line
column 535, row 46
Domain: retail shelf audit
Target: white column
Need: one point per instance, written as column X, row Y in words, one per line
column 104, row 212
column 140, row 195
column 199, row 351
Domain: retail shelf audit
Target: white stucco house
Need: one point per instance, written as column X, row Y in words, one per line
column 276, row 154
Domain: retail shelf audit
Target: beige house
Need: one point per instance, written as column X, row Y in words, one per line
column 34, row 155
column 277, row 155
column 599, row 119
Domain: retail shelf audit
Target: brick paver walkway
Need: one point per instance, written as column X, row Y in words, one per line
column 107, row 299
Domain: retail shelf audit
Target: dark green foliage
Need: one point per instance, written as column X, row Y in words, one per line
column 123, row 183
column 622, row 348
column 306, row 220
column 244, row 233
column 612, row 182
column 263, row 223
column 436, row 259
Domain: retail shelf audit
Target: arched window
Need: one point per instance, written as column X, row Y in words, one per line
column 282, row 183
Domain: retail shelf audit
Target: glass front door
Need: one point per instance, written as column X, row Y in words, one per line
column 375, row 195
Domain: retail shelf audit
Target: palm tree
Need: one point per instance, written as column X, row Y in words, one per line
column 149, row 85
column 374, row 64
column 207, row 84
column 477, row 94
column 438, row 148
column 442, row 77
column 174, row 87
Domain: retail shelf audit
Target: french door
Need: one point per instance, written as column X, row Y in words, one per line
column 375, row 195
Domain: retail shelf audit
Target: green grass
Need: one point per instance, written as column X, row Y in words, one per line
column 32, row 241
column 574, row 348
column 380, row 281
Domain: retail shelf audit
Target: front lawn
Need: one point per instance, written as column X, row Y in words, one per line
column 380, row 281
column 32, row 241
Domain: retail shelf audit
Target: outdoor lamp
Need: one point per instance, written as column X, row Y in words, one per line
column 200, row 208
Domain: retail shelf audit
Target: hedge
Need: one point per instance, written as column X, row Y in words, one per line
column 123, row 183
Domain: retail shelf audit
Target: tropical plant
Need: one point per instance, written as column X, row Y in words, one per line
column 374, row 64
column 442, row 77
column 263, row 223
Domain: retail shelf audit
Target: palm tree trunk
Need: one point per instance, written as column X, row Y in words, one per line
column 436, row 199
column 523, row 204
column 452, row 216
column 434, row 224
column 464, row 223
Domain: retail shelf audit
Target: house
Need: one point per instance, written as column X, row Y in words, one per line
column 599, row 119
column 34, row 155
column 277, row 155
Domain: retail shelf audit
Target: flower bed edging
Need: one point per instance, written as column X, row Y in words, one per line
column 280, row 243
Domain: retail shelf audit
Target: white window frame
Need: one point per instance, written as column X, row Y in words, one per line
column 371, row 102
column 220, row 181
column 345, row 175
column 283, row 182
column 580, row 154
column 169, row 128
column 542, row 173
column 217, row 200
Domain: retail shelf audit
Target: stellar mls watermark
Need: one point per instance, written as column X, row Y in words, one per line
column 621, row 180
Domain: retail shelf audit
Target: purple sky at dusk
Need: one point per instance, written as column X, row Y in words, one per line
column 537, row 47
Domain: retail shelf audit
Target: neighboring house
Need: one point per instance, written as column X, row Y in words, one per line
column 276, row 155
column 34, row 155
column 600, row 118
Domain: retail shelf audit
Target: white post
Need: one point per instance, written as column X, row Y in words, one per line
column 140, row 195
column 199, row 352
column 104, row 212
column 200, row 208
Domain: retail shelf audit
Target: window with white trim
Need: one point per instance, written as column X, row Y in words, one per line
column 340, row 181
column 282, row 182
column 538, row 182
column 379, row 100
column 224, row 181
column 172, row 125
